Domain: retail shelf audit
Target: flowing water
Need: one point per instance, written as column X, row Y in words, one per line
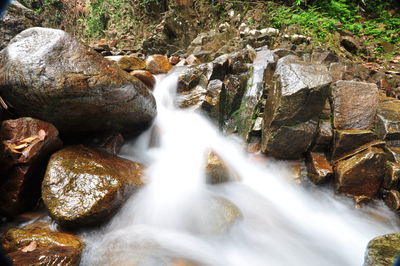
column 178, row 217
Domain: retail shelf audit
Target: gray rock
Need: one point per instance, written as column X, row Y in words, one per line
column 16, row 19
column 47, row 74
column 297, row 95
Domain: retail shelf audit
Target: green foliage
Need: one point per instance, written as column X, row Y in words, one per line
column 368, row 19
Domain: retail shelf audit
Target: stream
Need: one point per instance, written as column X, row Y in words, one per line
column 260, row 218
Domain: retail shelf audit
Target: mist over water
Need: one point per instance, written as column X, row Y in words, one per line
column 175, row 216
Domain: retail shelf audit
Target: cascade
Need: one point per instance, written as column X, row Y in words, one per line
column 260, row 218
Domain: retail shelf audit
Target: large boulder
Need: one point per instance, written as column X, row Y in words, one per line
column 26, row 145
column 383, row 250
column 354, row 104
column 16, row 19
column 47, row 74
column 297, row 96
column 57, row 255
column 346, row 141
column 15, row 239
column 387, row 123
column 84, row 186
column 361, row 174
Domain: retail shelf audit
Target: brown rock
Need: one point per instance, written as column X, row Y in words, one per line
column 361, row 174
column 324, row 137
column 392, row 199
column 85, row 186
column 111, row 142
column 346, row 141
column 354, row 104
column 319, row 169
column 26, row 145
column 393, row 153
column 158, row 64
column 65, row 256
column 71, row 86
column 388, row 120
column 128, row 62
column 174, row 60
column 216, row 170
column 146, row 77
column 324, row 57
column 392, row 176
column 15, row 239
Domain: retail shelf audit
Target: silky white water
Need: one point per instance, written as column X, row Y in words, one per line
column 172, row 219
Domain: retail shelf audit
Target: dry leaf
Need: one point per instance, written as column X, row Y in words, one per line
column 42, row 134
column 31, row 247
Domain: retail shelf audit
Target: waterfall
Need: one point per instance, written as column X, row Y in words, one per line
column 177, row 217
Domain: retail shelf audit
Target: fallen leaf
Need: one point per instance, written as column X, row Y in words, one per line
column 31, row 247
column 42, row 134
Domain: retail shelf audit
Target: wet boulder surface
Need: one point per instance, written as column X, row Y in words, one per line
column 383, row 250
column 16, row 19
column 26, row 145
column 47, row 74
column 85, row 186
column 297, row 96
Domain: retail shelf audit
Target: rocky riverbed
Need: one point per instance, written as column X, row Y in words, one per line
column 66, row 110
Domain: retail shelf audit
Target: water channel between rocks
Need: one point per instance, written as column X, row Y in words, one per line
column 259, row 219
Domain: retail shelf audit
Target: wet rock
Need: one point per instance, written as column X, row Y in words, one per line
column 212, row 99
column 388, row 120
column 392, row 199
column 298, row 171
column 383, row 250
column 16, row 19
column 297, row 95
column 361, row 174
column 324, row 136
column 174, row 60
column 26, row 145
column 128, row 62
column 393, row 153
column 319, row 169
column 392, row 176
column 216, row 170
column 354, row 104
column 350, row 44
column 111, row 142
column 292, row 141
column 251, row 104
column 67, row 256
column 15, row 239
column 146, row 77
column 223, row 215
column 158, row 64
column 346, row 141
column 235, row 87
column 70, row 86
column 84, row 186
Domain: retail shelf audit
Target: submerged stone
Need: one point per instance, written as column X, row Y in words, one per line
column 216, row 170
column 84, row 186
column 383, row 250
